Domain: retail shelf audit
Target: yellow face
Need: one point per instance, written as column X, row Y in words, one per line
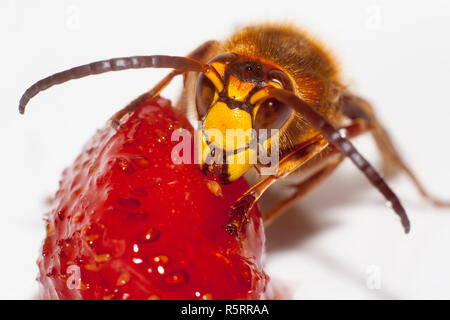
column 228, row 133
column 229, row 94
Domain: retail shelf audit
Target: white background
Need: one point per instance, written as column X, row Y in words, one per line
column 330, row 245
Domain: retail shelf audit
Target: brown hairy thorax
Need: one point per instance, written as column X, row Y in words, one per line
column 285, row 45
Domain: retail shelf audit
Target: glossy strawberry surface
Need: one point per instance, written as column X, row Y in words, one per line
column 128, row 223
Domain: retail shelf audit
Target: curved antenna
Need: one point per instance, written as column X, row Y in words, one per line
column 345, row 147
column 115, row 64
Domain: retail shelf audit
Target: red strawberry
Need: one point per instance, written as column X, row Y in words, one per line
column 127, row 223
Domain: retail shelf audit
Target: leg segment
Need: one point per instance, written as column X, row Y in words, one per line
column 301, row 155
column 324, row 164
column 197, row 54
column 149, row 95
column 357, row 108
column 302, row 190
